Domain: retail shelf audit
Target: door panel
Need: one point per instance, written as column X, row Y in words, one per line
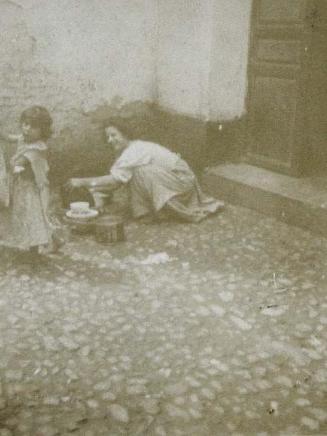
column 276, row 80
column 281, row 11
column 271, row 50
column 277, row 120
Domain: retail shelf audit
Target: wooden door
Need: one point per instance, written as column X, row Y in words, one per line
column 279, row 46
column 316, row 95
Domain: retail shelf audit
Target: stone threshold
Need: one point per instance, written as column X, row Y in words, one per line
column 296, row 201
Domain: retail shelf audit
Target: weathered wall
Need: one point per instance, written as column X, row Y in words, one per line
column 202, row 74
column 85, row 59
column 74, row 55
column 183, row 59
column 229, row 59
column 189, row 56
column 81, row 59
column 202, row 57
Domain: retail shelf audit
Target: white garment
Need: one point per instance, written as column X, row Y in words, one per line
column 140, row 153
column 157, row 177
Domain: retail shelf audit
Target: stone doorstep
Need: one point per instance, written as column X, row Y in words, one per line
column 296, row 201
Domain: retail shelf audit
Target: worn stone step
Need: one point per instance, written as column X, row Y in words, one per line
column 297, row 201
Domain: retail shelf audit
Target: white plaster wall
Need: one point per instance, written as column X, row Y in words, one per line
column 190, row 56
column 105, row 42
column 202, row 56
column 229, row 58
column 184, row 40
column 78, row 54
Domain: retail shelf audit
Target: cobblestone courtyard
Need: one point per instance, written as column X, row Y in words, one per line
column 205, row 330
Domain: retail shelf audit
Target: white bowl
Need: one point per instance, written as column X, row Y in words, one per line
column 85, row 215
column 80, row 206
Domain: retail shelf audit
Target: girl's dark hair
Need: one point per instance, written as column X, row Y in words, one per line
column 123, row 125
column 38, row 116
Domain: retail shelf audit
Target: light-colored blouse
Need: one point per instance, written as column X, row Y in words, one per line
column 140, row 153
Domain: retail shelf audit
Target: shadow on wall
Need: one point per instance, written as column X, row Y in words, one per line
column 82, row 151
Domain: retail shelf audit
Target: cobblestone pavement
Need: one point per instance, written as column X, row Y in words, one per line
column 210, row 329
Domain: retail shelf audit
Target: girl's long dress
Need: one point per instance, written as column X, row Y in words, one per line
column 26, row 222
column 159, row 179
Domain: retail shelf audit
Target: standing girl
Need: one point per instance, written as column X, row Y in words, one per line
column 28, row 223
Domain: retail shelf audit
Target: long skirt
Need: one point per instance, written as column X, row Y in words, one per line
column 26, row 223
column 156, row 190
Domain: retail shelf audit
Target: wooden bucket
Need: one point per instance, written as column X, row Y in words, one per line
column 109, row 229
